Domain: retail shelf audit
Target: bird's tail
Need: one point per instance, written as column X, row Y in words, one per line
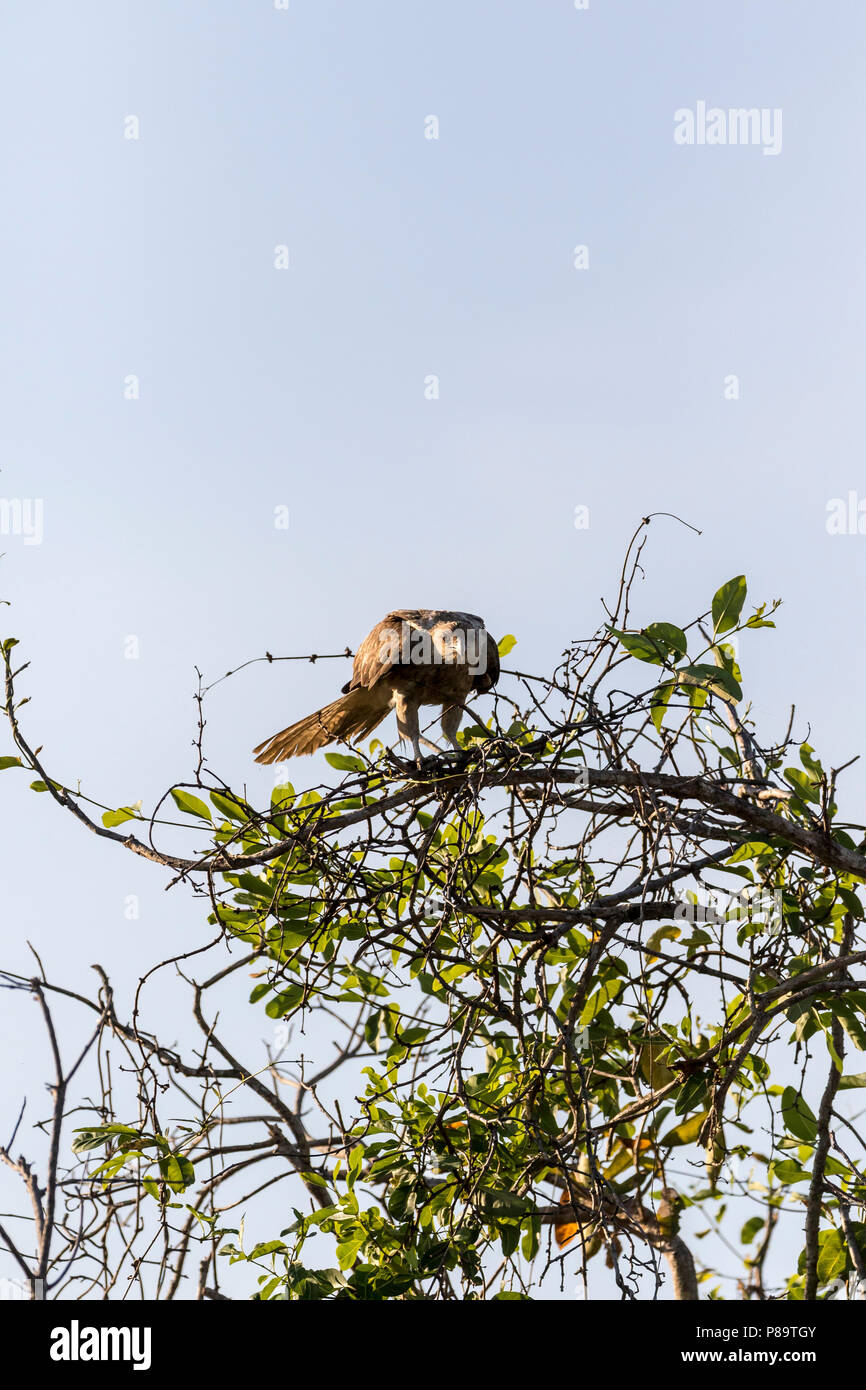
column 352, row 716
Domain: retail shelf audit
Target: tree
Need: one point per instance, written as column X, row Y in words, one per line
column 594, row 975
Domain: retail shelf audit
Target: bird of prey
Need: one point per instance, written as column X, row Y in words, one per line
column 413, row 657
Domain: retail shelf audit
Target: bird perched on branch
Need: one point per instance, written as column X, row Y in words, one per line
column 413, row 657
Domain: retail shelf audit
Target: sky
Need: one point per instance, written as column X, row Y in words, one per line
column 242, row 285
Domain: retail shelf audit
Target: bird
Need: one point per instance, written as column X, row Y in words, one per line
column 413, row 657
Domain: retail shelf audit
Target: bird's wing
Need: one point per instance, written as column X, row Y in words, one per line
column 486, row 679
column 380, row 650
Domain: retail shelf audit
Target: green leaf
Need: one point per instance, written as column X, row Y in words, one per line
column 832, row 1255
column 506, row 644
column 728, row 604
column 599, row 1000
column 751, row 1229
column 798, row 1118
column 354, row 1165
column 10, row 762
column 659, row 702
column 285, row 1002
column 666, row 933
column 685, row 1133
column 803, row 784
column 230, row 808
column 655, row 1072
column 713, row 678
column 637, row 644
column 177, row 1171
column 315, row 1178
column 190, row 805
column 811, row 764
column 852, row 1080
column 346, row 1252
column 623, row 1160
column 346, row 762
column 693, row 1093
column 671, row 638
column 266, row 1247
column 112, row 818
column 510, row 1239
column 93, row 1137
column 788, row 1172
column 503, row 1204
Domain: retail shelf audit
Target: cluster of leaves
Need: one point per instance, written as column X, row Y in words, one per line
column 159, row 1165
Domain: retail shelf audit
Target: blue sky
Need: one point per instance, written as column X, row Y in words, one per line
column 305, row 387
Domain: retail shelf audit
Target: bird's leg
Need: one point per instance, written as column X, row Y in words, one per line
column 407, row 723
column 450, row 724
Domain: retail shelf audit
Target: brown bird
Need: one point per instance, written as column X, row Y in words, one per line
column 413, row 657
